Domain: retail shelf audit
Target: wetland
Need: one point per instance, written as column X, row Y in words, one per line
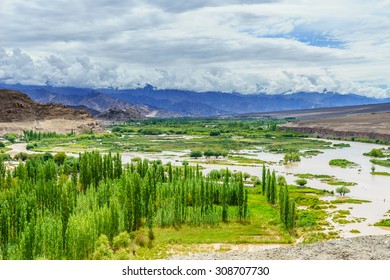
column 242, row 147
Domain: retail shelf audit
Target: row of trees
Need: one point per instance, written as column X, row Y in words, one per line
column 276, row 192
column 208, row 153
column 51, row 211
column 30, row 135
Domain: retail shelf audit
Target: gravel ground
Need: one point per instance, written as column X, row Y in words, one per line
column 357, row 248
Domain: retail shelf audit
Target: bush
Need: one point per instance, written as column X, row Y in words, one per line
column 196, row 154
column 21, row 156
column 291, row 157
column 116, row 129
column 121, row 254
column 11, row 137
column 121, row 241
column 208, row 153
column 301, row 182
column 47, row 156
column 374, row 153
column 59, row 158
column 30, row 147
column 5, row 157
column 215, row 174
column 103, row 250
column 2, row 145
column 215, row 133
column 141, row 239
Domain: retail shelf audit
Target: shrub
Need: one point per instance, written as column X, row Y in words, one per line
column 116, row 129
column 29, row 147
column 291, row 157
column 374, row 153
column 5, row 157
column 21, row 156
column 141, row 239
column 47, row 156
column 196, row 154
column 103, row 250
column 11, row 137
column 208, row 153
column 121, row 254
column 301, row 182
column 59, row 158
column 215, row 133
column 121, row 241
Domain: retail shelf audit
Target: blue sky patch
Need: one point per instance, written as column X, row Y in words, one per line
column 310, row 38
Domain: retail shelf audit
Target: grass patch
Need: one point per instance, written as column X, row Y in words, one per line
column 245, row 160
column 311, row 214
column 343, row 221
column 354, row 231
column 264, row 228
column 381, row 162
column 312, row 176
column 330, row 180
column 342, row 145
column 311, row 153
column 341, row 200
column 341, row 183
column 383, row 223
column 343, row 163
column 340, row 217
column 381, row 173
column 319, row 236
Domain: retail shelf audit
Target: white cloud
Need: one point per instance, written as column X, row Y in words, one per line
column 234, row 45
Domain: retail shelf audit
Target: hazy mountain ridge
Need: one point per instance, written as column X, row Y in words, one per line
column 173, row 103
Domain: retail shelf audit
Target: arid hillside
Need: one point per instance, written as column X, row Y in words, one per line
column 372, row 125
column 18, row 112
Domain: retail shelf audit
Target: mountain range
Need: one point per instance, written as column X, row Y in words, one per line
column 151, row 102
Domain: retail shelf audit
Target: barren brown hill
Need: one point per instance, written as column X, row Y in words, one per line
column 18, row 112
column 372, row 125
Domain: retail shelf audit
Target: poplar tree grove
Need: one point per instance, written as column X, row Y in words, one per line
column 58, row 211
column 287, row 208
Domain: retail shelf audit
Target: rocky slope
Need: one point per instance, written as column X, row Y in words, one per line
column 372, row 126
column 358, row 248
column 18, row 112
column 120, row 115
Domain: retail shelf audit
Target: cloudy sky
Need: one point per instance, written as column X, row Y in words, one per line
column 246, row 46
